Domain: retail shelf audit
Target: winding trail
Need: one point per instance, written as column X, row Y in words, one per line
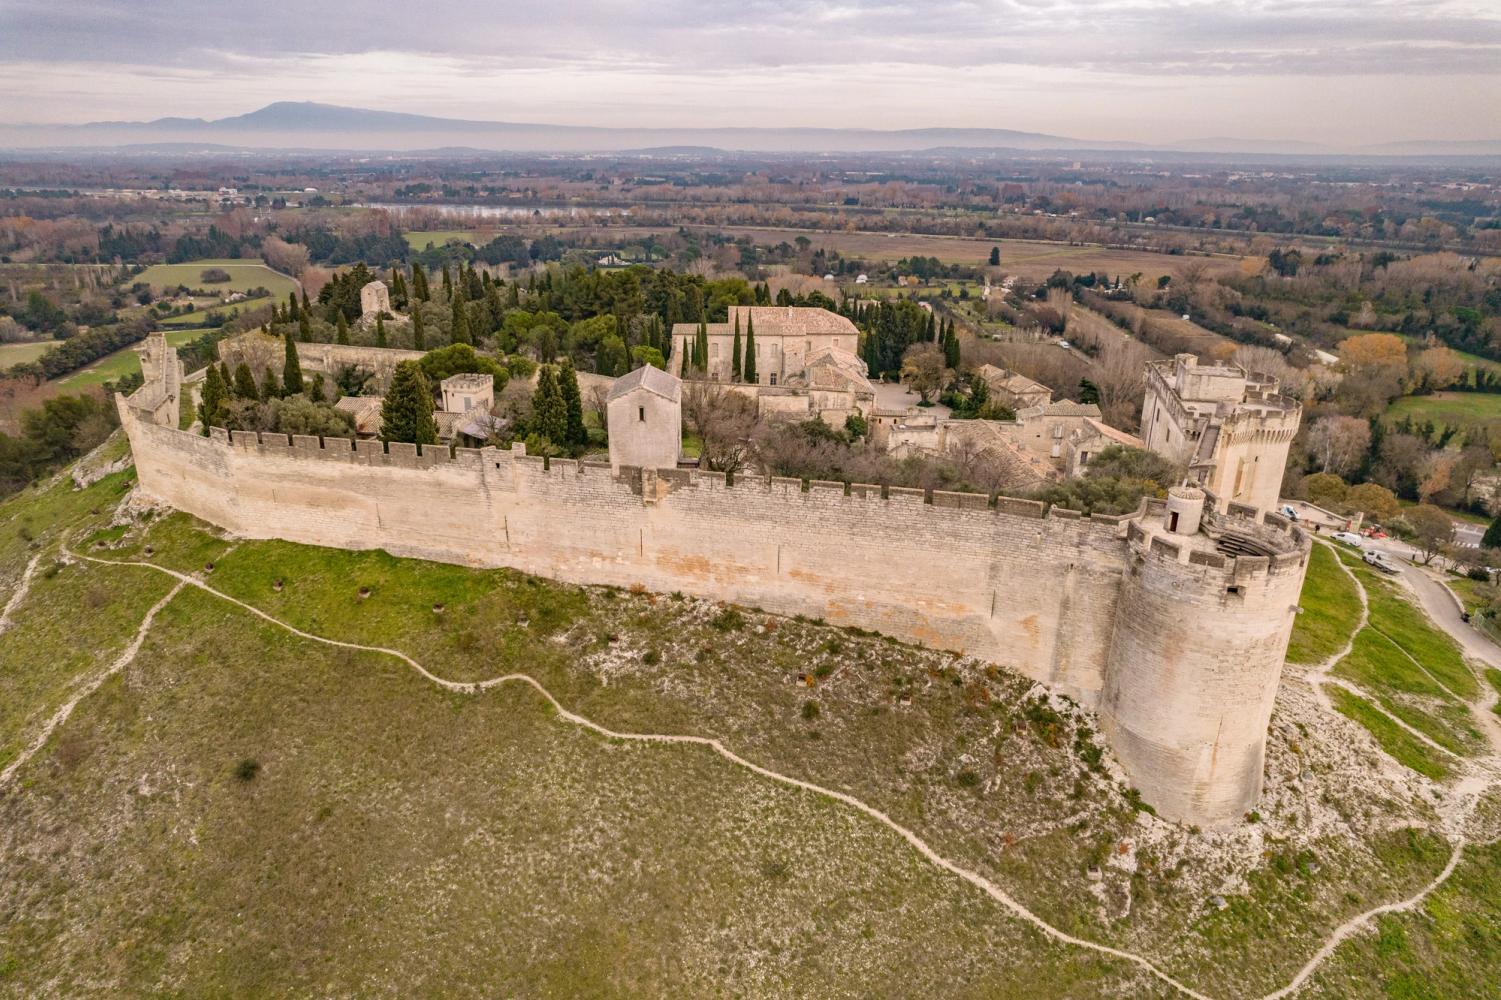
column 66, row 709
column 23, row 586
column 1346, row 930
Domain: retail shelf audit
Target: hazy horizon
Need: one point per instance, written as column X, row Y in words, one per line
column 1333, row 72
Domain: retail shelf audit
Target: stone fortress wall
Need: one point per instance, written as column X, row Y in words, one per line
column 1179, row 648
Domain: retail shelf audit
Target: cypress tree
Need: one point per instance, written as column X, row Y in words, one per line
column 380, row 331
column 245, row 382
column 750, row 350
column 459, row 322
column 315, row 393
column 292, row 311
column 270, row 388
column 304, row 328
column 305, row 307
column 735, row 352
column 211, row 400
column 573, row 405
column 291, row 372
column 343, row 327
column 419, row 283
column 951, row 346
column 447, row 283
column 407, row 412
column 229, row 379
column 549, row 412
column 1492, row 538
column 419, row 338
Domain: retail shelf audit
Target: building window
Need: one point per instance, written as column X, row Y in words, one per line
column 773, row 377
column 641, row 414
column 714, row 351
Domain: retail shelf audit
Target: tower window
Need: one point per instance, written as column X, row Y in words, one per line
column 641, row 414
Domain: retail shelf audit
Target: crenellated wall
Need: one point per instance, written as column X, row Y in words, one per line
column 1110, row 611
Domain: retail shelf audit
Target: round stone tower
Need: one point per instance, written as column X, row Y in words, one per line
column 1206, row 607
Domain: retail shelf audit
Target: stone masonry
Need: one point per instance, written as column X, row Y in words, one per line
column 1177, row 640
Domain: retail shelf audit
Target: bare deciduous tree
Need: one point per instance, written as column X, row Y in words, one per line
column 1338, row 444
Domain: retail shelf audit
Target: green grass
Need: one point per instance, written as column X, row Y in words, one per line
column 123, row 362
column 1448, row 409
column 1404, row 689
column 1392, row 738
column 388, row 817
column 438, row 237
column 15, row 354
column 244, row 275
column 1331, row 607
column 1449, row 947
column 1494, row 677
column 403, row 840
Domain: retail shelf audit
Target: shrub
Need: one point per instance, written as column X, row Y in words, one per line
column 651, row 658
column 214, row 276
column 967, row 779
column 810, row 710
column 247, row 769
column 728, row 620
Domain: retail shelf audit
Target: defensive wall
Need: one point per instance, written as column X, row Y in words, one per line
column 1178, row 644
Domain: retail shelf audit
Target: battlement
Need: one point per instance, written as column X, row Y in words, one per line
column 1161, row 623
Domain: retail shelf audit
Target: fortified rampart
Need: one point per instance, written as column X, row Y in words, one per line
column 1177, row 642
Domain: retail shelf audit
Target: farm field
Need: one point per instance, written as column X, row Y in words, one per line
column 15, row 354
column 1451, row 409
column 125, row 361
column 438, row 237
column 1032, row 260
column 244, row 275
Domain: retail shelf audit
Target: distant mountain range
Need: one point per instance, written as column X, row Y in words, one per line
column 288, row 125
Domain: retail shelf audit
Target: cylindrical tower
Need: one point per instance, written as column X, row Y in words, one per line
column 1200, row 635
column 1185, row 510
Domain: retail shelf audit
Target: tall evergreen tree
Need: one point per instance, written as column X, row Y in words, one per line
column 735, row 352
column 315, row 391
column 447, row 283
column 459, row 321
column 750, row 350
column 304, row 328
column 419, row 336
column 549, row 412
column 270, row 386
column 380, row 331
column 1492, row 537
column 575, row 433
column 292, row 311
column 419, row 283
column 343, row 329
column 291, row 372
column 211, row 400
column 306, row 308
column 227, row 377
column 951, row 346
column 407, row 412
column 244, row 383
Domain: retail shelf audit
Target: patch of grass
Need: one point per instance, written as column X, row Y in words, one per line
column 15, row 354
column 123, row 362
column 1378, row 666
column 1393, row 738
column 243, row 276
column 441, row 237
column 1331, row 608
column 1408, row 627
column 1449, row 947
column 392, row 818
column 1448, row 409
column 1494, row 676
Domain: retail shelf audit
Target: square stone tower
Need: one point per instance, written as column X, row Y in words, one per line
column 375, row 298
column 645, row 413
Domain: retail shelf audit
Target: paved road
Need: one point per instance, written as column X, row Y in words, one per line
column 1438, row 600
column 1468, row 534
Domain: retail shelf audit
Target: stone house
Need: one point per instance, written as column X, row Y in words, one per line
column 786, row 338
column 644, row 411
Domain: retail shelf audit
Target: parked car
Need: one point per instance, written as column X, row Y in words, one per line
column 1379, row 561
column 1289, row 513
column 1348, row 537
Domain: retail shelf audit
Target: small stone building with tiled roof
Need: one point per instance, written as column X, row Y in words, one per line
column 1014, row 389
column 644, row 414
column 786, row 338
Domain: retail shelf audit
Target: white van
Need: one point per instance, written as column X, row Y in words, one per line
column 1348, row 537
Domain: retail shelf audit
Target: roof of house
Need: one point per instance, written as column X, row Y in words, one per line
column 366, row 411
column 1115, row 433
column 652, row 379
column 779, row 321
column 1003, row 379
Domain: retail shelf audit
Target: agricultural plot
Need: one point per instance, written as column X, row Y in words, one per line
column 243, row 276
column 1448, row 409
column 123, row 362
column 15, row 354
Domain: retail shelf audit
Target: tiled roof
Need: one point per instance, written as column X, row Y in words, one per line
column 652, row 379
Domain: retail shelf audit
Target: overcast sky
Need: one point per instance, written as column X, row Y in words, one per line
column 1335, row 71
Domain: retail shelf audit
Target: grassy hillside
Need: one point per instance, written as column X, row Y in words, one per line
column 241, row 811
